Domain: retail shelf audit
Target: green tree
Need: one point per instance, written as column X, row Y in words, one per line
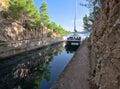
column 94, row 6
column 57, row 28
column 33, row 13
column 52, row 25
column 44, row 17
column 16, row 9
column 87, row 23
column 25, row 11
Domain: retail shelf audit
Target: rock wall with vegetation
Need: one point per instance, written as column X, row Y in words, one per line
column 105, row 47
column 23, row 28
column 15, row 39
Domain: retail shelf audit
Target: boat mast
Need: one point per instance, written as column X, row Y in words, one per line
column 75, row 16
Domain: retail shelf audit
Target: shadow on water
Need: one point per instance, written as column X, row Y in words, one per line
column 37, row 69
column 71, row 48
column 26, row 71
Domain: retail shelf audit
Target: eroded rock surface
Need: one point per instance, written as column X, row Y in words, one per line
column 105, row 51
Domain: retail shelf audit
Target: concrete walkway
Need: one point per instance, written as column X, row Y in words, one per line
column 76, row 74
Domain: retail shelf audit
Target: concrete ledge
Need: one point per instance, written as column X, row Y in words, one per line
column 10, row 49
column 76, row 74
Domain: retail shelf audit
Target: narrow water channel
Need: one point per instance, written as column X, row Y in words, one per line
column 37, row 69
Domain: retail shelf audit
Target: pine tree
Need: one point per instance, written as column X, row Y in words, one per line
column 25, row 11
column 87, row 22
column 17, row 8
column 94, row 6
column 33, row 13
column 44, row 17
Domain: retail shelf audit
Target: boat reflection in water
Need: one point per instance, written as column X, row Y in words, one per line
column 27, row 70
column 71, row 48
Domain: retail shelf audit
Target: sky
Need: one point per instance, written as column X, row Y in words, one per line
column 63, row 11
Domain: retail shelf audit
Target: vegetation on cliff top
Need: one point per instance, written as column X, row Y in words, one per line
column 26, row 13
column 94, row 6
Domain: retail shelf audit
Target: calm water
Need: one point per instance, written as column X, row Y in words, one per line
column 37, row 69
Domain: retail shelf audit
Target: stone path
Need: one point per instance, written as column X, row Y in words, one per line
column 76, row 74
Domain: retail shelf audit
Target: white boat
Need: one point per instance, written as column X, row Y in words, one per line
column 74, row 38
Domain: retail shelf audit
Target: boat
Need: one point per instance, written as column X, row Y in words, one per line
column 74, row 38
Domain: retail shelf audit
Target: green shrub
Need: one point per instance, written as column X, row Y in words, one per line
column 49, row 34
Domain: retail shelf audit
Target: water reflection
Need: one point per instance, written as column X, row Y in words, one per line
column 71, row 48
column 26, row 71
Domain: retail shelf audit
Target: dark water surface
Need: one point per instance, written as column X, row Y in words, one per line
column 37, row 69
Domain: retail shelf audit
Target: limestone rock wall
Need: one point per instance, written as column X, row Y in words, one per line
column 15, row 38
column 105, row 50
column 11, row 30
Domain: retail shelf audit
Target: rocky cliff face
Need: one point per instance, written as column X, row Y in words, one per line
column 105, row 51
column 12, row 31
column 16, row 38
